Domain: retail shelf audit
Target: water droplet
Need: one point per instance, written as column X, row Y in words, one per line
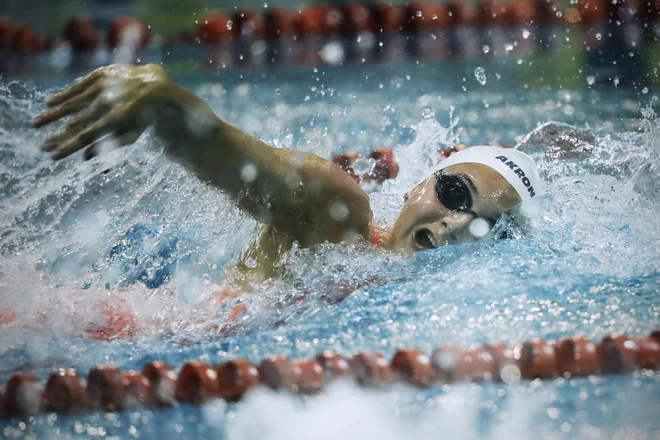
column 480, row 74
column 419, row 13
column 645, row 90
column 485, row 48
column 526, row 34
column 277, row 91
column 591, row 80
column 332, row 53
column 599, row 36
column 428, row 113
column 249, row 173
column 338, row 211
column 479, row 228
column 396, row 83
column 230, row 24
column 510, row 374
column 554, row 412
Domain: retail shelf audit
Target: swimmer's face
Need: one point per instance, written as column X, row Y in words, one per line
column 426, row 223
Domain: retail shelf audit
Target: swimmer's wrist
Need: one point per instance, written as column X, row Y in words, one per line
column 183, row 115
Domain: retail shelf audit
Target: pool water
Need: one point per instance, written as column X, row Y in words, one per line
column 131, row 225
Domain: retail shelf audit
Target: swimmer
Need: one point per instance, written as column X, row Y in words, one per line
column 298, row 197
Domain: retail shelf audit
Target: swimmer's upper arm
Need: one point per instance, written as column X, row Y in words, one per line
column 304, row 195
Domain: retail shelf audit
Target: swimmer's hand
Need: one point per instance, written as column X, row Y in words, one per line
column 112, row 105
column 305, row 197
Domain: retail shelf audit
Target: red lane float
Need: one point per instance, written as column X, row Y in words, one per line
column 576, row 357
column 649, row 354
column 213, row 29
column 80, row 34
column 105, row 388
column 475, row 365
column 387, row 18
column 308, row 22
column 235, row 378
column 6, row 32
column 24, row 40
column 356, row 19
column 278, row 373
column 384, row 168
column 197, row 383
column 370, row 368
column 506, row 368
column 521, row 12
column 334, row 365
column 65, row 392
column 163, row 382
column 23, row 395
column 348, row 21
column 108, row 389
column 536, row 359
column 424, row 17
column 413, row 366
column 246, row 23
column 549, row 11
column 3, row 404
column 310, row 376
column 138, row 390
column 278, row 23
column 591, row 11
column 617, row 354
column 462, row 14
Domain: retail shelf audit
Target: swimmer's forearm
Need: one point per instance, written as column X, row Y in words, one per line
column 301, row 193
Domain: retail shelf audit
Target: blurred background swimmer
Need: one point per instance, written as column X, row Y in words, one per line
column 298, row 197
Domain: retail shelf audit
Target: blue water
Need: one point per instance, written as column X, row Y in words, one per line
column 149, row 233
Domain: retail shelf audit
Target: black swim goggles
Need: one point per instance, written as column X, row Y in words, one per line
column 453, row 191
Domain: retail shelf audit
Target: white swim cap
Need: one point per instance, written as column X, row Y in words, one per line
column 515, row 166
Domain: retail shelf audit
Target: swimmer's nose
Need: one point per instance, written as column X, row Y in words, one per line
column 452, row 227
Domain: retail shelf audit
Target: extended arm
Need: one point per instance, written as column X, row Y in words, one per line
column 304, row 195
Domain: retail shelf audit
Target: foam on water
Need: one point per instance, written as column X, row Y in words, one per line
column 147, row 234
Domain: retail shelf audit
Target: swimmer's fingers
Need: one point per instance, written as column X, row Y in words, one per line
column 97, row 130
column 74, row 127
column 111, row 141
column 70, row 107
column 76, row 88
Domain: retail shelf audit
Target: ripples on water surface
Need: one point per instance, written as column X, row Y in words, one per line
column 151, row 234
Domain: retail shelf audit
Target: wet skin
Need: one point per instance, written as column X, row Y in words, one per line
column 296, row 196
column 424, row 222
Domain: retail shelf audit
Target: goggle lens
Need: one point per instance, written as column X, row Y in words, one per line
column 453, row 192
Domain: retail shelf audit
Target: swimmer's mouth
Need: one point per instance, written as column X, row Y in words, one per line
column 424, row 239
